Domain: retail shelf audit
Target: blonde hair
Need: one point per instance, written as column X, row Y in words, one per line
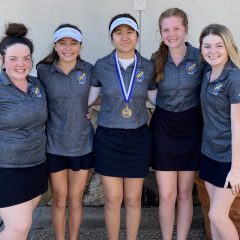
column 227, row 37
column 161, row 54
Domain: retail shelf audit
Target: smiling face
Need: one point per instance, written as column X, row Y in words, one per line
column 125, row 40
column 173, row 31
column 17, row 61
column 214, row 51
column 67, row 49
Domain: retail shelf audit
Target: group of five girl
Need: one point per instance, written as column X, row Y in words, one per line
column 124, row 146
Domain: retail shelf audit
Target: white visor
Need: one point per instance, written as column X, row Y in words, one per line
column 67, row 32
column 124, row 21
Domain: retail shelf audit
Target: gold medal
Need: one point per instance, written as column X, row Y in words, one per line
column 127, row 112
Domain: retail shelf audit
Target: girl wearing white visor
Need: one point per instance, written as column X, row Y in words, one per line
column 66, row 78
column 123, row 140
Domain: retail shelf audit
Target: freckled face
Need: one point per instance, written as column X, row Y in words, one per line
column 17, row 61
column 173, row 32
column 214, row 51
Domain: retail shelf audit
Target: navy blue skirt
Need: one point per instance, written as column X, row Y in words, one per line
column 58, row 163
column 213, row 171
column 177, row 139
column 18, row 185
column 123, row 152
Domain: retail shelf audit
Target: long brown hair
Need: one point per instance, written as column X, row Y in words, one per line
column 161, row 54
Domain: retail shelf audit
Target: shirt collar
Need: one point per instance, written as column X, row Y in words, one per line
column 190, row 53
column 78, row 66
column 229, row 66
column 6, row 80
column 112, row 56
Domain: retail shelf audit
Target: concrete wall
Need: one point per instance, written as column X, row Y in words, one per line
column 93, row 16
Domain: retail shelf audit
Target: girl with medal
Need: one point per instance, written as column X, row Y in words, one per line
column 66, row 78
column 123, row 140
column 176, row 123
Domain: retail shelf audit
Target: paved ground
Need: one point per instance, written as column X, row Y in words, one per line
column 93, row 227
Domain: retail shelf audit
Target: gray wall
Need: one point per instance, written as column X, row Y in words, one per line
column 93, row 16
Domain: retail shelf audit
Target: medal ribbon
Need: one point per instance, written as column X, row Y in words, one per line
column 126, row 94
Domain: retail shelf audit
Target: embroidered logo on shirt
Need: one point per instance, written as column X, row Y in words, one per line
column 81, row 77
column 139, row 75
column 217, row 88
column 191, row 68
column 36, row 91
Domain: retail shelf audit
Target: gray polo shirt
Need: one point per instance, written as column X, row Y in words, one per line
column 69, row 131
column 112, row 101
column 22, row 118
column 180, row 88
column 216, row 99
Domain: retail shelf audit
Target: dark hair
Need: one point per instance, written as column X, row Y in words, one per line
column 15, row 33
column 51, row 57
column 122, row 15
column 161, row 54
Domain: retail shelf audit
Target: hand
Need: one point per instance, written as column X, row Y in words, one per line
column 89, row 115
column 234, row 180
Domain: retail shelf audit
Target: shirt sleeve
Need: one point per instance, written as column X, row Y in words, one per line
column 152, row 84
column 42, row 71
column 95, row 75
column 234, row 86
column 39, row 75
